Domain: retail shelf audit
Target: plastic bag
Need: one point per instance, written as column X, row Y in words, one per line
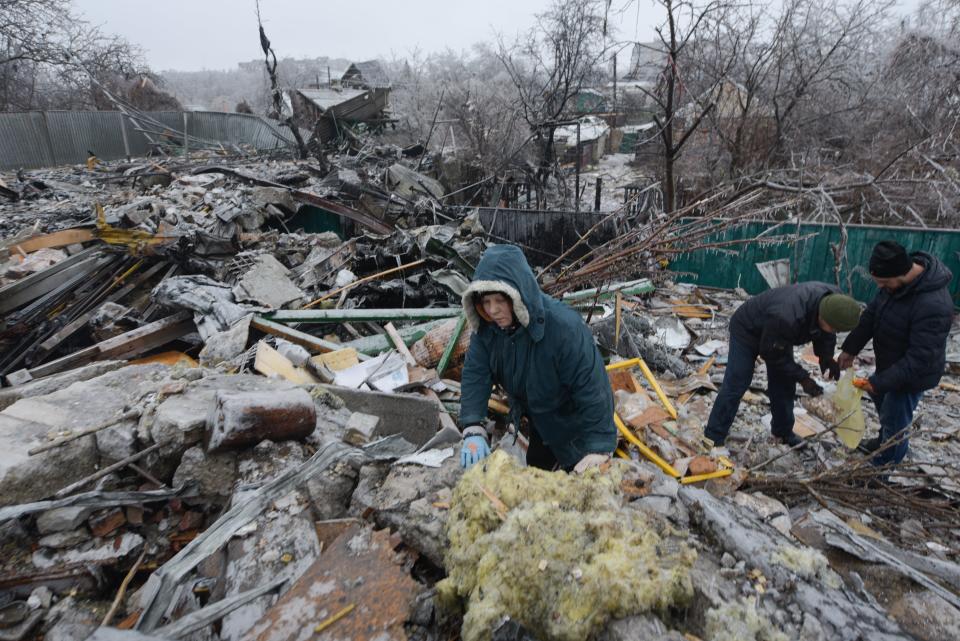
column 846, row 400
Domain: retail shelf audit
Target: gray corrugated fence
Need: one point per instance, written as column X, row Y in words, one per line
column 545, row 234
column 47, row 138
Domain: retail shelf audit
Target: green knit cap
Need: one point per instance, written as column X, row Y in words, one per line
column 841, row 312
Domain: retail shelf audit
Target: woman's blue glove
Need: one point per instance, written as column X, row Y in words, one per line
column 474, row 449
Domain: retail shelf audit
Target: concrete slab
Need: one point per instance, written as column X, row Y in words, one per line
column 414, row 417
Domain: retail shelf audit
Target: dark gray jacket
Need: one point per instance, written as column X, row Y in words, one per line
column 909, row 329
column 773, row 322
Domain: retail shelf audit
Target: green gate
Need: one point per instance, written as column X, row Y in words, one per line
column 811, row 258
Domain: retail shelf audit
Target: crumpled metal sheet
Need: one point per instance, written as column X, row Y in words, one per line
column 212, row 302
column 95, row 500
column 361, row 571
column 162, row 584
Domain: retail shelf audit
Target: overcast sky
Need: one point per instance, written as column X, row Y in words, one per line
column 217, row 34
column 190, row 35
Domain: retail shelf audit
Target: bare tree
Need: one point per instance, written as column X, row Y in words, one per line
column 678, row 112
column 558, row 58
column 270, row 61
column 51, row 59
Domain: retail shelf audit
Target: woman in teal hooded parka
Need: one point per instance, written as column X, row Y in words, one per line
column 543, row 355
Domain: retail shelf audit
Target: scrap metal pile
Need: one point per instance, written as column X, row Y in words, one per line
column 219, row 425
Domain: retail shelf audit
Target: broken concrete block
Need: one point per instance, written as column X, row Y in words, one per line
column 33, row 421
column 109, row 552
column 240, row 419
column 225, row 346
column 360, row 428
column 406, row 504
column 71, row 621
column 180, row 420
column 61, row 540
column 105, row 523
column 118, row 442
column 365, row 493
column 267, row 283
column 214, row 473
column 62, row 519
column 331, row 490
column 414, row 417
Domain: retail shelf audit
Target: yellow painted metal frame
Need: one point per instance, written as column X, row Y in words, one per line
column 727, row 464
column 639, row 362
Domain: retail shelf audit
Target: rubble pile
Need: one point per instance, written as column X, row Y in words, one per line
column 230, row 412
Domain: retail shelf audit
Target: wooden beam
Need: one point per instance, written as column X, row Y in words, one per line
column 55, row 240
column 359, row 315
column 312, row 343
column 126, row 345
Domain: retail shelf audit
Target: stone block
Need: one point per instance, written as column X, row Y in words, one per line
column 361, row 428
column 215, row 473
column 61, row 540
column 62, row 519
column 414, row 417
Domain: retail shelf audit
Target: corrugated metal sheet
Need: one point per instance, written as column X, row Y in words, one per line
column 45, row 139
column 545, row 234
column 812, row 259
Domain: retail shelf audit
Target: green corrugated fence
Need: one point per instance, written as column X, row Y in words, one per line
column 812, row 258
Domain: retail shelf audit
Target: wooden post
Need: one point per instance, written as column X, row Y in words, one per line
column 596, row 197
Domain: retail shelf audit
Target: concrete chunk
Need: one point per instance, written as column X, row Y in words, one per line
column 62, row 519
column 360, row 428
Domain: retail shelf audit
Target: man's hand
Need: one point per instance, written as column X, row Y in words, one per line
column 846, row 360
column 864, row 384
column 590, row 461
column 810, row 387
column 829, row 368
column 473, row 450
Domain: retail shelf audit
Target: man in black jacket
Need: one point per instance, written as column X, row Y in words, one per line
column 769, row 325
column 909, row 320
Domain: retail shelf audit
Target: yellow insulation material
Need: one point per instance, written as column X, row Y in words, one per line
column 740, row 621
column 560, row 554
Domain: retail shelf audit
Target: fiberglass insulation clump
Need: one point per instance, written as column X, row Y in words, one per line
column 557, row 553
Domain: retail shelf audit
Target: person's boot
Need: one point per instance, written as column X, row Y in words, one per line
column 790, row 440
column 870, row 445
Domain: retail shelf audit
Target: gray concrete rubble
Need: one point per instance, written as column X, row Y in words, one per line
column 175, row 462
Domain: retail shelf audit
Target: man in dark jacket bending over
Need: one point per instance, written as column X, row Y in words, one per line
column 543, row 355
column 909, row 320
column 769, row 325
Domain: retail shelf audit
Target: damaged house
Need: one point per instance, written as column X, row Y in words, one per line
column 360, row 96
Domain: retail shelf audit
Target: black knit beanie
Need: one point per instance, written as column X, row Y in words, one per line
column 889, row 259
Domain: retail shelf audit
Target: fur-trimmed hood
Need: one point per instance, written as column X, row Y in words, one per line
column 504, row 269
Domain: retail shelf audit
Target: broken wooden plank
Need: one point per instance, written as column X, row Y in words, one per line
column 312, row 343
column 270, row 362
column 132, row 343
column 55, row 240
column 399, row 344
column 361, row 281
column 36, row 285
column 340, row 359
column 360, row 315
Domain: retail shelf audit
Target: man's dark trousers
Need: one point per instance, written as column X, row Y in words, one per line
column 895, row 410
column 781, row 390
